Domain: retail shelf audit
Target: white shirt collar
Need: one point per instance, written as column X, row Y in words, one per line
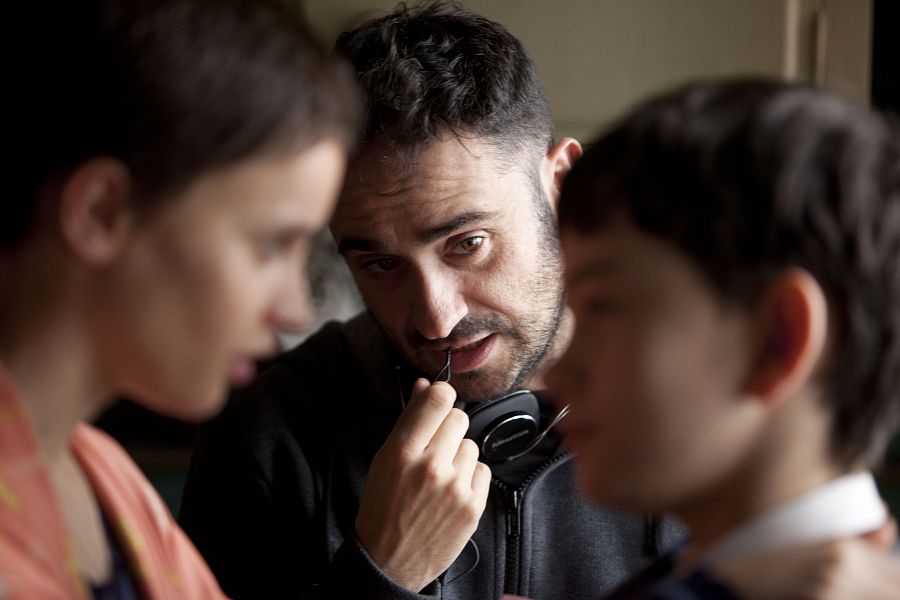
column 844, row 507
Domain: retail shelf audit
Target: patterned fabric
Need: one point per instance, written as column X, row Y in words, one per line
column 36, row 559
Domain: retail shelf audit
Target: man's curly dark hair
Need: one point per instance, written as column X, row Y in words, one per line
column 437, row 69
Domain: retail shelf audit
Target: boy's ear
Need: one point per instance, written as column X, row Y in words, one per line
column 791, row 326
column 557, row 164
column 94, row 209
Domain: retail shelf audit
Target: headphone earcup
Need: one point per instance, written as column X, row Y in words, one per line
column 504, row 426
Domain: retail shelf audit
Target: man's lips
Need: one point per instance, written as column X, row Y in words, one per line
column 470, row 346
column 466, row 356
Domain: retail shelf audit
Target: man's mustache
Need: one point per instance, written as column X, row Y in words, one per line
column 465, row 330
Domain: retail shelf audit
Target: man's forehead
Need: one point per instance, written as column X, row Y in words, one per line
column 430, row 195
column 381, row 187
column 420, row 205
column 443, row 164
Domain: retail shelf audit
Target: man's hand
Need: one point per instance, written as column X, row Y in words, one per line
column 425, row 491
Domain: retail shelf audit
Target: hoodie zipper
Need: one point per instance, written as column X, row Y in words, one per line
column 513, row 524
column 513, row 498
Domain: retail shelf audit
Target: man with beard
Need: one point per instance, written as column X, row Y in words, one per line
column 341, row 472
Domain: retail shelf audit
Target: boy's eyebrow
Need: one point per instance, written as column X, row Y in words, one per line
column 296, row 231
column 598, row 268
column 425, row 236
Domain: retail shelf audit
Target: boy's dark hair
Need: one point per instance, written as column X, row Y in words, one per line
column 437, row 69
column 173, row 88
column 750, row 177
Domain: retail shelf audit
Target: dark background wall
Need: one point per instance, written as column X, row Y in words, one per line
column 886, row 55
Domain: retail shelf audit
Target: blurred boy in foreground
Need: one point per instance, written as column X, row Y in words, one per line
column 733, row 264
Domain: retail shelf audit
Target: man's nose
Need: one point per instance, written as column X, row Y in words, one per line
column 438, row 304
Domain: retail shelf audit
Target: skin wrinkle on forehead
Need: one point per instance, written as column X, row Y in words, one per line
column 373, row 180
column 377, row 170
column 395, row 192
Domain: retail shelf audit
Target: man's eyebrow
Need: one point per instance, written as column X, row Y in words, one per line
column 426, row 236
column 458, row 222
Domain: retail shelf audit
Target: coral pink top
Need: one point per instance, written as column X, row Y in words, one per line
column 36, row 560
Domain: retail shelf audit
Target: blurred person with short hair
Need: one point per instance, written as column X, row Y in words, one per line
column 732, row 262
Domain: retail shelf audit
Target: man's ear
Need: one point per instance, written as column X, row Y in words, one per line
column 791, row 327
column 94, row 210
column 557, row 164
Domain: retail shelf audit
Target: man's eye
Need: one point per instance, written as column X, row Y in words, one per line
column 380, row 265
column 471, row 244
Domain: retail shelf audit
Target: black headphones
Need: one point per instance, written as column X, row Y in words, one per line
column 506, row 427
